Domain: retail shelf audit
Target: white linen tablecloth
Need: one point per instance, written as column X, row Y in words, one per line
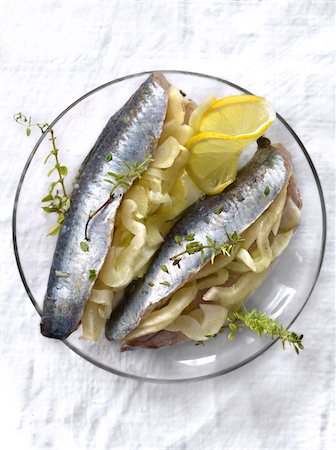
column 52, row 53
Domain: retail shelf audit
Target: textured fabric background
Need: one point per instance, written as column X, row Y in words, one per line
column 52, row 53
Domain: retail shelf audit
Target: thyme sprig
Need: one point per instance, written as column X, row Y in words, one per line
column 259, row 322
column 57, row 200
column 226, row 248
column 133, row 172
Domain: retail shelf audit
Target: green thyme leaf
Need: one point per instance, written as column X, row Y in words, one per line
column 92, row 274
column 210, row 241
column 66, row 204
column 165, row 283
column 47, row 198
column 178, row 239
column 150, row 283
column 84, row 246
column 63, row 170
column 54, row 230
column 60, row 218
column 235, row 238
column 218, row 211
column 267, row 190
column 163, row 267
column 108, row 157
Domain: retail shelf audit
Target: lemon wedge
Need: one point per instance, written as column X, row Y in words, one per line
column 224, row 128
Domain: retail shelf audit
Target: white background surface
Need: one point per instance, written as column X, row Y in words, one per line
column 52, row 53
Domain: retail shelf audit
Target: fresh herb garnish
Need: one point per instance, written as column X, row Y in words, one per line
column 57, row 199
column 92, row 274
column 150, row 283
column 84, row 246
column 218, row 211
column 225, row 248
column 133, row 171
column 189, row 237
column 54, row 230
column 108, row 157
column 163, row 267
column 267, row 190
column 165, row 283
column 258, row 321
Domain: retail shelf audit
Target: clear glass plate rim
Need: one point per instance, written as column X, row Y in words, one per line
column 34, row 302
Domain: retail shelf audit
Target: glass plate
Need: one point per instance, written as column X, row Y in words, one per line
column 283, row 295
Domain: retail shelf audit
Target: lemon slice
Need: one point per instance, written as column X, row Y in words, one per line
column 225, row 127
column 244, row 116
column 213, row 161
column 196, row 115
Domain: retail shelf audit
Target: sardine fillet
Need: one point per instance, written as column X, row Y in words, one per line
column 130, row 136
column 164, row 338
column 240, row 204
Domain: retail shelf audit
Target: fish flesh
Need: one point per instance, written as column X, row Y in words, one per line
column 130, row 136
column 239, row 206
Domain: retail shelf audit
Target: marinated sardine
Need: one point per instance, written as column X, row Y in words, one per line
column 130, row 136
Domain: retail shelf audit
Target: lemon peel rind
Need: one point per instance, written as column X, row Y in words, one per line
column 227, row 137
column 245, row 98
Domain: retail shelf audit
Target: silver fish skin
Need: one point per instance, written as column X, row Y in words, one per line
column 130, row 136
column 241, row 204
